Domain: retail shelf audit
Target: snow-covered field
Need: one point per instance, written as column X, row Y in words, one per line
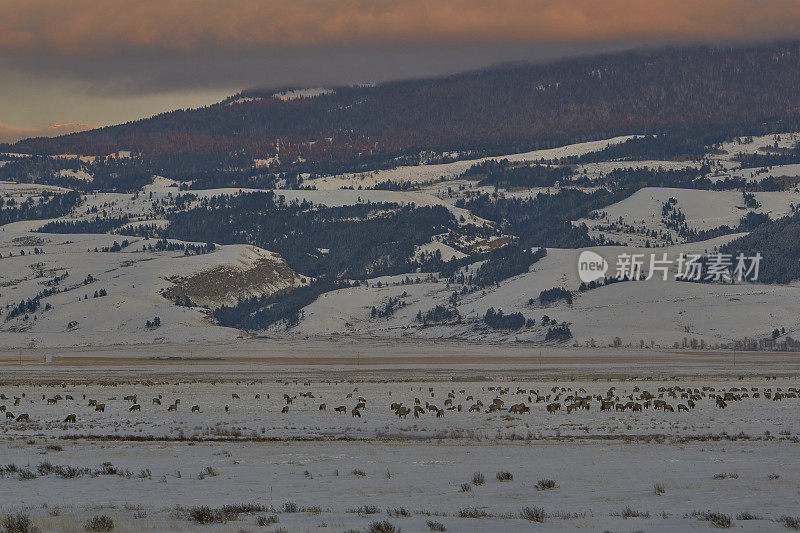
column 425, row 174
column 141, row 285
column 703, row 210
column 313, row 469
column 655, row 311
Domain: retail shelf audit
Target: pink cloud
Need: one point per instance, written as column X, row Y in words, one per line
column 90, row 27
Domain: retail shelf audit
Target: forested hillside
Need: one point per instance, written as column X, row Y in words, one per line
column 504, row 109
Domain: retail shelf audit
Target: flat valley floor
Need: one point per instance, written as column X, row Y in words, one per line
column 248, row 437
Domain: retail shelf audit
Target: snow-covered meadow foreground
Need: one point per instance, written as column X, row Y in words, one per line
column 240, row 463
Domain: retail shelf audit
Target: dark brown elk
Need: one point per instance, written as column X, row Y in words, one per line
column 355, row 413
column 70, row 418
column 439, row 413
column 519, row 409
column 92, row 402
column 403, row 412
column 682, row 407
column 9, row 414
column 323, row 406
column 285, row 409
column 156, row 401
column 195, row 408
column 100, row 407
column 131, row 398
column 341, row 409
column 173, row 407
column 23, row 416
column 553, row 407
column 135, row 407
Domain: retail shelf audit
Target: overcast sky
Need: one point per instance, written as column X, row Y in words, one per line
column 106, row 61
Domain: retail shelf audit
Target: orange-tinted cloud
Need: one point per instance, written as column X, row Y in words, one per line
column 89, row 27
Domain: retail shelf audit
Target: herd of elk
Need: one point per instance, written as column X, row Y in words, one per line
column 663, row 398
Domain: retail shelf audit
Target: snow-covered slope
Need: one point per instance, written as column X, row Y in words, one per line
column 446, row 171
column 138, row 286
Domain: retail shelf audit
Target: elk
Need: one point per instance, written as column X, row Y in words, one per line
column 323, row 406
column 100, row 407
column 70, row 418
column 519, row 408
column 341, row 409
column 23, row 416
column 355, row 413
column 195, row 408
column 135, row 407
